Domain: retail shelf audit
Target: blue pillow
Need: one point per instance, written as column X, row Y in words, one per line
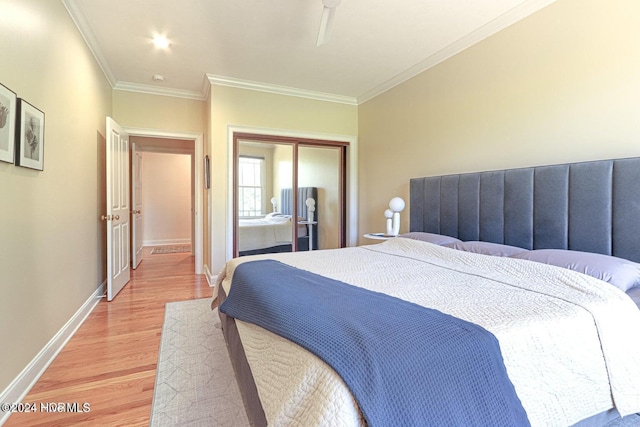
column 621, row 273
column 486, row 248
column 436, row 239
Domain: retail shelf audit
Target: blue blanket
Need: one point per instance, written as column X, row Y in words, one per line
column 406, row 365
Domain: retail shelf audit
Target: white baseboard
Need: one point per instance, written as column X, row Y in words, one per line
column 211, row 278
column 186, row 241
column 20, row 386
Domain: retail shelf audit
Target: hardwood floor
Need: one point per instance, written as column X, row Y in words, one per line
column 110, row 363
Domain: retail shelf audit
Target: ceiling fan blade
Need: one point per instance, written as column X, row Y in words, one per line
column 326, row 22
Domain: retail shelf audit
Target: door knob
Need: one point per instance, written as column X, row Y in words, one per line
column 106, row 217
column 117, row 217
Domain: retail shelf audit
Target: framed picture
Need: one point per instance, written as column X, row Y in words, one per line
column 30, row 136
column 8, row 107
column 207, row 172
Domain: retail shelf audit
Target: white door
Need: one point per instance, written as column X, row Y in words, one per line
column 118, row 258
column 136, row 201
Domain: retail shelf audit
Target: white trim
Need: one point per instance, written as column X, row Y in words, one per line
column 157, row 90
column 90, row 39
column 20, row 386
column 206, row 87
column 198, row 219
column 510, row 17
column 164, row 149
column 281, row 90
column 165, row 242
column 211, row 278
column 352, row 176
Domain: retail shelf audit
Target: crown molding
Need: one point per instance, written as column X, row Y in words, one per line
column 85, row 31
column 281, row 90
column 505, row 20
column 156, row 90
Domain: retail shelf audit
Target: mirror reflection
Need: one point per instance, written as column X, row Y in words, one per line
column 276, row 213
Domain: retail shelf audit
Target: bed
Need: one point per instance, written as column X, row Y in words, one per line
column 543, row 258
column 273, row 233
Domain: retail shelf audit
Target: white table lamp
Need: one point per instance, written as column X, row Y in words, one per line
column 396, row 205
column 389, row 214
column 274, row 203
column 311, row 208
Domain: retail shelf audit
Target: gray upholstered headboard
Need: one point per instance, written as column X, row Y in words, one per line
column 587, row 206
column 303, row 194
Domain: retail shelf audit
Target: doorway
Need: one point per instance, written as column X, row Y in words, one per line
column 183, row 143
column 162, row 183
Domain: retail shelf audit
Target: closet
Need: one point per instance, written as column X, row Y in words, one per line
column 289, row 194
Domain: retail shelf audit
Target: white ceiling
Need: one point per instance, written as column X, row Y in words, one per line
column 271, row 44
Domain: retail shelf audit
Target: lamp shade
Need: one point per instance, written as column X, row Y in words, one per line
column 388, row 213
column 396, row 204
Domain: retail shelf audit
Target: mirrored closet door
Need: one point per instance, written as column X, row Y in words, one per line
column 289, row 194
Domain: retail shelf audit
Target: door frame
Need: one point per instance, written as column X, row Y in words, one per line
column 198, row 172
column 136, row 257
column 351, row 205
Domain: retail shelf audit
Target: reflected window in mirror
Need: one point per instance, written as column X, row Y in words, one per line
column 251, row 187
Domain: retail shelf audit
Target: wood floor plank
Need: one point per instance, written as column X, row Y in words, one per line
column 110, row 363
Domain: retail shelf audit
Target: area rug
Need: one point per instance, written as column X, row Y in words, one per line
column 170, row 249
column 195, row 385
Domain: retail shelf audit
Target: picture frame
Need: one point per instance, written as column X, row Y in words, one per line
column 29, row 136
column 207, row 173
column 8, row 114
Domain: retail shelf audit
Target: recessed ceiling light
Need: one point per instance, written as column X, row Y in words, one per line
column 158, row 77
column 161, row 42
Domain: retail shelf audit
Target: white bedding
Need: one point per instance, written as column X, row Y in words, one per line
column 272, row 230
column 568, row 342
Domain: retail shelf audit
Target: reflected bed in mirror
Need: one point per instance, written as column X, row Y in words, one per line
column 273, row 233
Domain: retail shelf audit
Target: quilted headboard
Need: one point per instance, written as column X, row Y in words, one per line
column 303, row 194
column 587, row 206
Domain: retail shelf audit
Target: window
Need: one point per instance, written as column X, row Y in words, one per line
column 251, row 179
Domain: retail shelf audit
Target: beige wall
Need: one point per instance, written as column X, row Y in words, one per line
column 165, row 114
column 239, row 107
column 166, row 198
column 158, row 112
column 562, row 85
column 51, row 237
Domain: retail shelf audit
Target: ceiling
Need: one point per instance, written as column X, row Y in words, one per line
column 271, row 45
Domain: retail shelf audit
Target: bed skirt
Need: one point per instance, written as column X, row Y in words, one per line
column 241, row 367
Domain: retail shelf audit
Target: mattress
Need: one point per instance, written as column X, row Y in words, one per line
column 566, row 338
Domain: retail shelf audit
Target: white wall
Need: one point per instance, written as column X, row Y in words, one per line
column 166, row 198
